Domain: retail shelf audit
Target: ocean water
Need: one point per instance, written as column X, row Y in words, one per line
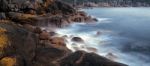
column 121, row 34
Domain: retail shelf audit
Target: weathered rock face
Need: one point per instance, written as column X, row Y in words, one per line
column 4, row 6
column 24, row 44
column 19, row 40
column 42, row 12
column 80, row 58
column 23, row 48
column 59, row 7
column 44, row 35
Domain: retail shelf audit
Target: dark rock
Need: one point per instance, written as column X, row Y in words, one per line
column 29, row 27
column 21, row 43
column 22, row 18
column 25, row 48
column 44, row 35
column 60, row 7
column 92, row 49
column 38, row 30
column 4, row 6
column 80, row 58
column 98, row 33
column 65, row 36
column 77, row 39
column 53, row 21
column 47, row 56
column 58, row 41
column 52, row 33
column 95, row 19
column 2, row 16
column 111, row 56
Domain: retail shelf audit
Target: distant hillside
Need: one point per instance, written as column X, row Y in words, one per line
column 125, row 3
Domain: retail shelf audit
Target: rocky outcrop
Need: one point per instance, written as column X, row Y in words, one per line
column 24, row 43
column 42, row 13
column 23, row 46
column 110, row 3
column 81, row 58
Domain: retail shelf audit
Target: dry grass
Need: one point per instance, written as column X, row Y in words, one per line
column 8, row 61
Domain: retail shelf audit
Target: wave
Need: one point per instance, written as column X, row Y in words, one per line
column 102, row 42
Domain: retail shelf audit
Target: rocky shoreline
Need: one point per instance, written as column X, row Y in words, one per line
column 109, row 3
column 23, row 42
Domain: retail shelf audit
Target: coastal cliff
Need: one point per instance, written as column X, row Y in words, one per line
column 23, row 42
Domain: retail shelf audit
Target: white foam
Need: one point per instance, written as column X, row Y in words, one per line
column 99, row 42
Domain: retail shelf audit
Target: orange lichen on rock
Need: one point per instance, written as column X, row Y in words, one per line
column 3, row 38
column 8, row 61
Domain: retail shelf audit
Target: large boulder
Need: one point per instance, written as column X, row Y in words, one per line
column 48, row 56
column 81, row 58
column 15, row 41
column 77, row 39
column 22, row 47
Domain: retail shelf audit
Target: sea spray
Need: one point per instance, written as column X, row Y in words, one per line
column 107, row 43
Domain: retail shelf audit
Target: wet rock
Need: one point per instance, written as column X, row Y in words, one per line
column 18, row 41
column 98, row 33
column 29, row 27
column 78, row 19
column 81, row 58
column 111, row 56
column 38, row 30
column 95, row 19
column 23, row 46
column 65, row 36
column 52, row 33
column 44, row 35
column 77, row 39
column 58, row 7
column 92, row 49
column 46, row 56
column 58, row 41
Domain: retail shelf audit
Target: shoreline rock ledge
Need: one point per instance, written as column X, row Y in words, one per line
column 24, row 43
